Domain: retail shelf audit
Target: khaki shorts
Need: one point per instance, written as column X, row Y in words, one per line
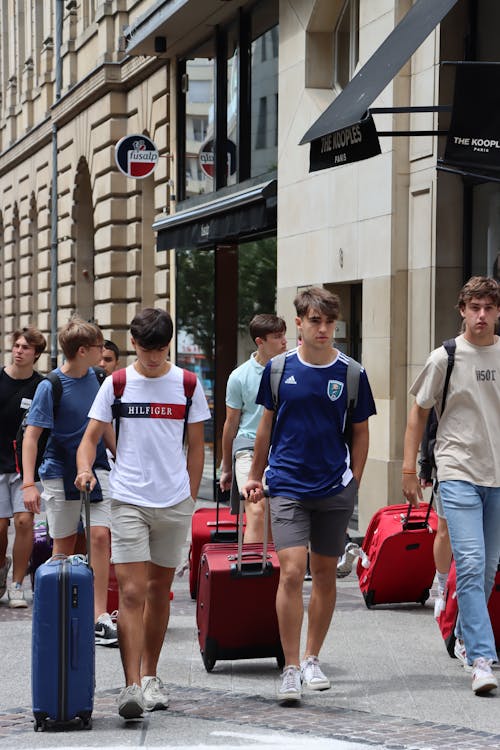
column 158, row 535
column 63, row 516
column 322, row 522
column 11, row 495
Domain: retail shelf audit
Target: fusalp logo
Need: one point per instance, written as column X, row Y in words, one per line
column 136, row 156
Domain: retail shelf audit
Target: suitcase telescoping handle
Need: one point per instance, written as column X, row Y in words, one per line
column 265, row 541
column 416, row 524
column 85, row 499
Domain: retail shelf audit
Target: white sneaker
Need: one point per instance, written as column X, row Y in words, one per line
column 16, row 596
column 131, row 702
column 4, row 570
column 155, row 694
column 291, row 687
column 483, row 679
column 344, row 565
column 312, row 676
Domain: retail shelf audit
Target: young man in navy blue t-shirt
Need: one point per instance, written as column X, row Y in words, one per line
column 313, row 479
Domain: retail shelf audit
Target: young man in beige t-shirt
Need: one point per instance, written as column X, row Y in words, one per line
column 467, row 463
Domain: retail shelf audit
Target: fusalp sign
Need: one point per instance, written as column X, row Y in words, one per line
column 136, row 156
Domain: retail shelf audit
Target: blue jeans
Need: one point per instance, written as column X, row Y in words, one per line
column 473, row 516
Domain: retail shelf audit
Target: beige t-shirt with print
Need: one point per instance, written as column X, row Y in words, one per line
column 468, row 433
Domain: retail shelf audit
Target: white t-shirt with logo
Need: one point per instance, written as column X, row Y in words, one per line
column 467, row 436
column 150, row 468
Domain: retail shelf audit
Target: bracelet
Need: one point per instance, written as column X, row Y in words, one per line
column 409, row 472
column 25, row 486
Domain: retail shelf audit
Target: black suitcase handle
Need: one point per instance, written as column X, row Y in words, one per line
column 416, row 525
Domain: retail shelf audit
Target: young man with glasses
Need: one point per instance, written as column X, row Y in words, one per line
column 82, row 345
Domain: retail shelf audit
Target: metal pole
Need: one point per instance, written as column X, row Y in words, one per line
column 53, row 222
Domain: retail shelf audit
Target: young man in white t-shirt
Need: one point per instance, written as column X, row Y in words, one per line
column 468, row 469
column 153, row 485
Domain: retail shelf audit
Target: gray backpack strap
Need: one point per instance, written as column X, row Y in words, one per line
column 352, row 383
column 277, row 367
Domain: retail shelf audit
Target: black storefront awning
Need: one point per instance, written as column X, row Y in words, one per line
column 233, row 218
column 350, row 108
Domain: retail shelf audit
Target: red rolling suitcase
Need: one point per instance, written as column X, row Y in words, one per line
column 209, row 526
column 448, row 616
column 396, row 564
column 236, row 604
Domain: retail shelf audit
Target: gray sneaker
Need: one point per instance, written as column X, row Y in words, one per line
column 4, row 571
column 155, row 694
column 291, row 685
column 312, row 675
column 16, row 596
column 344, row 565
column 131, row 702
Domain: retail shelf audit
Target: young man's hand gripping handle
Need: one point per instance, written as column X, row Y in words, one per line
column 415, row 427
column 253, row 489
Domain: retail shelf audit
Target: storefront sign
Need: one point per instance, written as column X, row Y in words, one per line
column 207, row 158
column 136, row 156
column 474, row 134
column 355, row 143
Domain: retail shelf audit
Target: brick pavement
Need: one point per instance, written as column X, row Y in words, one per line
column 257, row 712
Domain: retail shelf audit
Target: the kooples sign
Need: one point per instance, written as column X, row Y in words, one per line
column 355, row 143
column 474, row 134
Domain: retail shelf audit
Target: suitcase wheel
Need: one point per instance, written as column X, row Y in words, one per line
column 208, row 655
column 369, row 598
column 40, row 721
column 424, row 597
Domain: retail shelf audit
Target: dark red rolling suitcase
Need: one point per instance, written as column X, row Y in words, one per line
column 448, row 616
column 42, row 548
column 396, row 564
column 209, row 526
column 236, row 604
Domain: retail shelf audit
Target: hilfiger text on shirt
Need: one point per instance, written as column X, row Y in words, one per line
column 152, row 411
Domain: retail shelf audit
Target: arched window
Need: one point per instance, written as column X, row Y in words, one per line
column 83, row 236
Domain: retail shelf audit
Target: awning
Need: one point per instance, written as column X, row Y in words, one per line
column 172, row 27
column 351, row 105
column 232, row 218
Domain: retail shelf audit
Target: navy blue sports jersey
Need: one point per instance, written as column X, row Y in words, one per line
column 309, row 457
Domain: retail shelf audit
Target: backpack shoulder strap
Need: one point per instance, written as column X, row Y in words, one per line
column 277, row 367
column 57, row 389
column 450, row 345
column 189, row 381
column 119, row 382
column 100, row 374
column 352, row 382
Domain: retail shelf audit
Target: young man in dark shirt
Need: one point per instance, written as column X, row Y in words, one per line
column 18, row 382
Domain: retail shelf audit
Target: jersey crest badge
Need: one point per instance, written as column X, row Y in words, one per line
column 335, row 388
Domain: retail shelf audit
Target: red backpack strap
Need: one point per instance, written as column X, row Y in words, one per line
column 119, row 381
column 189, row 381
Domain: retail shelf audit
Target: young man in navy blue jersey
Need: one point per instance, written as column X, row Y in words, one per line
column 313, row 479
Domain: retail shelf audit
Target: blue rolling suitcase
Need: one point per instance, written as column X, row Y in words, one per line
column 63, row 643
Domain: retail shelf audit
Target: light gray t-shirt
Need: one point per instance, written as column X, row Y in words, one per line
column 468, row 433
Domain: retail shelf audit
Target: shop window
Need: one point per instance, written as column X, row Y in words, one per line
column 485, row 256
column 346, row 44
column 240, row 118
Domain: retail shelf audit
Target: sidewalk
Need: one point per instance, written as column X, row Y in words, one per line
column 393, row 684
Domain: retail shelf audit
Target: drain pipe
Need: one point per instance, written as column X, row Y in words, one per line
column 54, row 218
